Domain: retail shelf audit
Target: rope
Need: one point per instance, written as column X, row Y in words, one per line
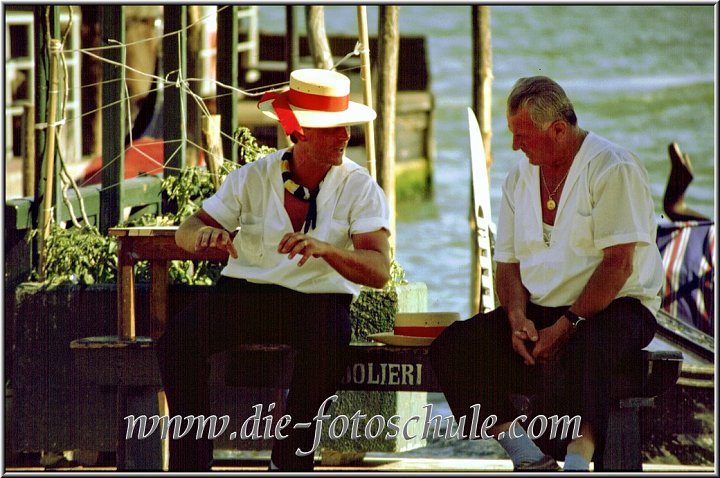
column 174, row 79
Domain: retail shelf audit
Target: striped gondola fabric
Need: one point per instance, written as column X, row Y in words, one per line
column 688, row 252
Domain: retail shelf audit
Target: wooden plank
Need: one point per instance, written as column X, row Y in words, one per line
column 371, row 367
column 154, row 246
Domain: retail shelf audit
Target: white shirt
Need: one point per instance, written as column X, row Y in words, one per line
column 252, row 198
column 606, row 201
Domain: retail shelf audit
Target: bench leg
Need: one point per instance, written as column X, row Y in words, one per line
column 133, row 453
column 623, row 448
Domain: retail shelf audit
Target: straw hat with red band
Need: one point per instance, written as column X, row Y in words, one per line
column 416, row 329
column 316, row 99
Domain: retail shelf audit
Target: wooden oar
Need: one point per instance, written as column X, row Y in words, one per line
column 482, row 288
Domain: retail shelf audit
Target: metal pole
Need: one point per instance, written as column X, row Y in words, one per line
column 367, row 87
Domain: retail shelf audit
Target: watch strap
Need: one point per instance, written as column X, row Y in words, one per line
column 573, row 317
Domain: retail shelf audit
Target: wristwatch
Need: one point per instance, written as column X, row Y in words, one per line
column 573, row 318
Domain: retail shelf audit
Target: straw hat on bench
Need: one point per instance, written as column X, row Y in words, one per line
column 416, row 329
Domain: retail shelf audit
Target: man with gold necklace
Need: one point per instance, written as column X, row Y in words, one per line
column 578, row 276
column 304, row 228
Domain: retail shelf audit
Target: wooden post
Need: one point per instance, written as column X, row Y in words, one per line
column 292, row 41
column 42, row 85
column 113, row 119
column 292, row 60
column 28, row 150
column 91, row 74
column 367, row 87
column 194, row 128
column 388, row 50
column 213, row 146
column 175, row 98
column 317, row 38
column 227, row 74
column 55, row 48
column 482, row 74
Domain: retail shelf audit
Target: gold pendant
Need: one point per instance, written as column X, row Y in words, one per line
column 550, row 204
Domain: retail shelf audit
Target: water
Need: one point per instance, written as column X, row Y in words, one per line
column 642, row 76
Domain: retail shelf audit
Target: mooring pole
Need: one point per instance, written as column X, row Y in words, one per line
column 482, row 75
column 388, row 51
column 317, row 38
column 367, row 87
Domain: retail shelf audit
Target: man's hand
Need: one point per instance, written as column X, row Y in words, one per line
column 523, row 331
column 552, row 341
column 209, row 237
column 297, row 243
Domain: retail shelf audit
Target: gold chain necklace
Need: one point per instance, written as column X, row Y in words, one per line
column 550, row 203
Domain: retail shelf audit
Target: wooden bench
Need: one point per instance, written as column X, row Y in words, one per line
column 128, row 362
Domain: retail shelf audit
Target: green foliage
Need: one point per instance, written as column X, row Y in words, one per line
column 397, row 273
column 188, row 190
column 84, row 256
column 80, row 256
column 249, row 149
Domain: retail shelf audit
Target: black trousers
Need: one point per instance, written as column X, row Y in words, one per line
column 475, row 363
column 317, row 326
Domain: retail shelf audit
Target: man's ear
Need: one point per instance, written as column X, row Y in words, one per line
column 559, row 128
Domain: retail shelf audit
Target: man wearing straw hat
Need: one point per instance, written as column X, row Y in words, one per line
column 313, row 227
column 578, row 276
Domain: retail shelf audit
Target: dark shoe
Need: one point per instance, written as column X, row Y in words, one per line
column 547, row 463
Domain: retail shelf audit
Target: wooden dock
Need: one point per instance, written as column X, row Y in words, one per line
column 382, row 464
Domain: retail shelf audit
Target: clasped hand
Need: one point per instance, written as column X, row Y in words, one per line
column 540, row 346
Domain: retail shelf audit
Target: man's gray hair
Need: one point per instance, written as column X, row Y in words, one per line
column 544, row 99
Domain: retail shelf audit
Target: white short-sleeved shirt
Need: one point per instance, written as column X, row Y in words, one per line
column 252, row 198
column 606, row 201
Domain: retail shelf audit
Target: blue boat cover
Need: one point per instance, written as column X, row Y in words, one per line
column 688, row 252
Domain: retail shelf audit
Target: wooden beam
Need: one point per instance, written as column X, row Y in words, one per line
column 175, row 97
